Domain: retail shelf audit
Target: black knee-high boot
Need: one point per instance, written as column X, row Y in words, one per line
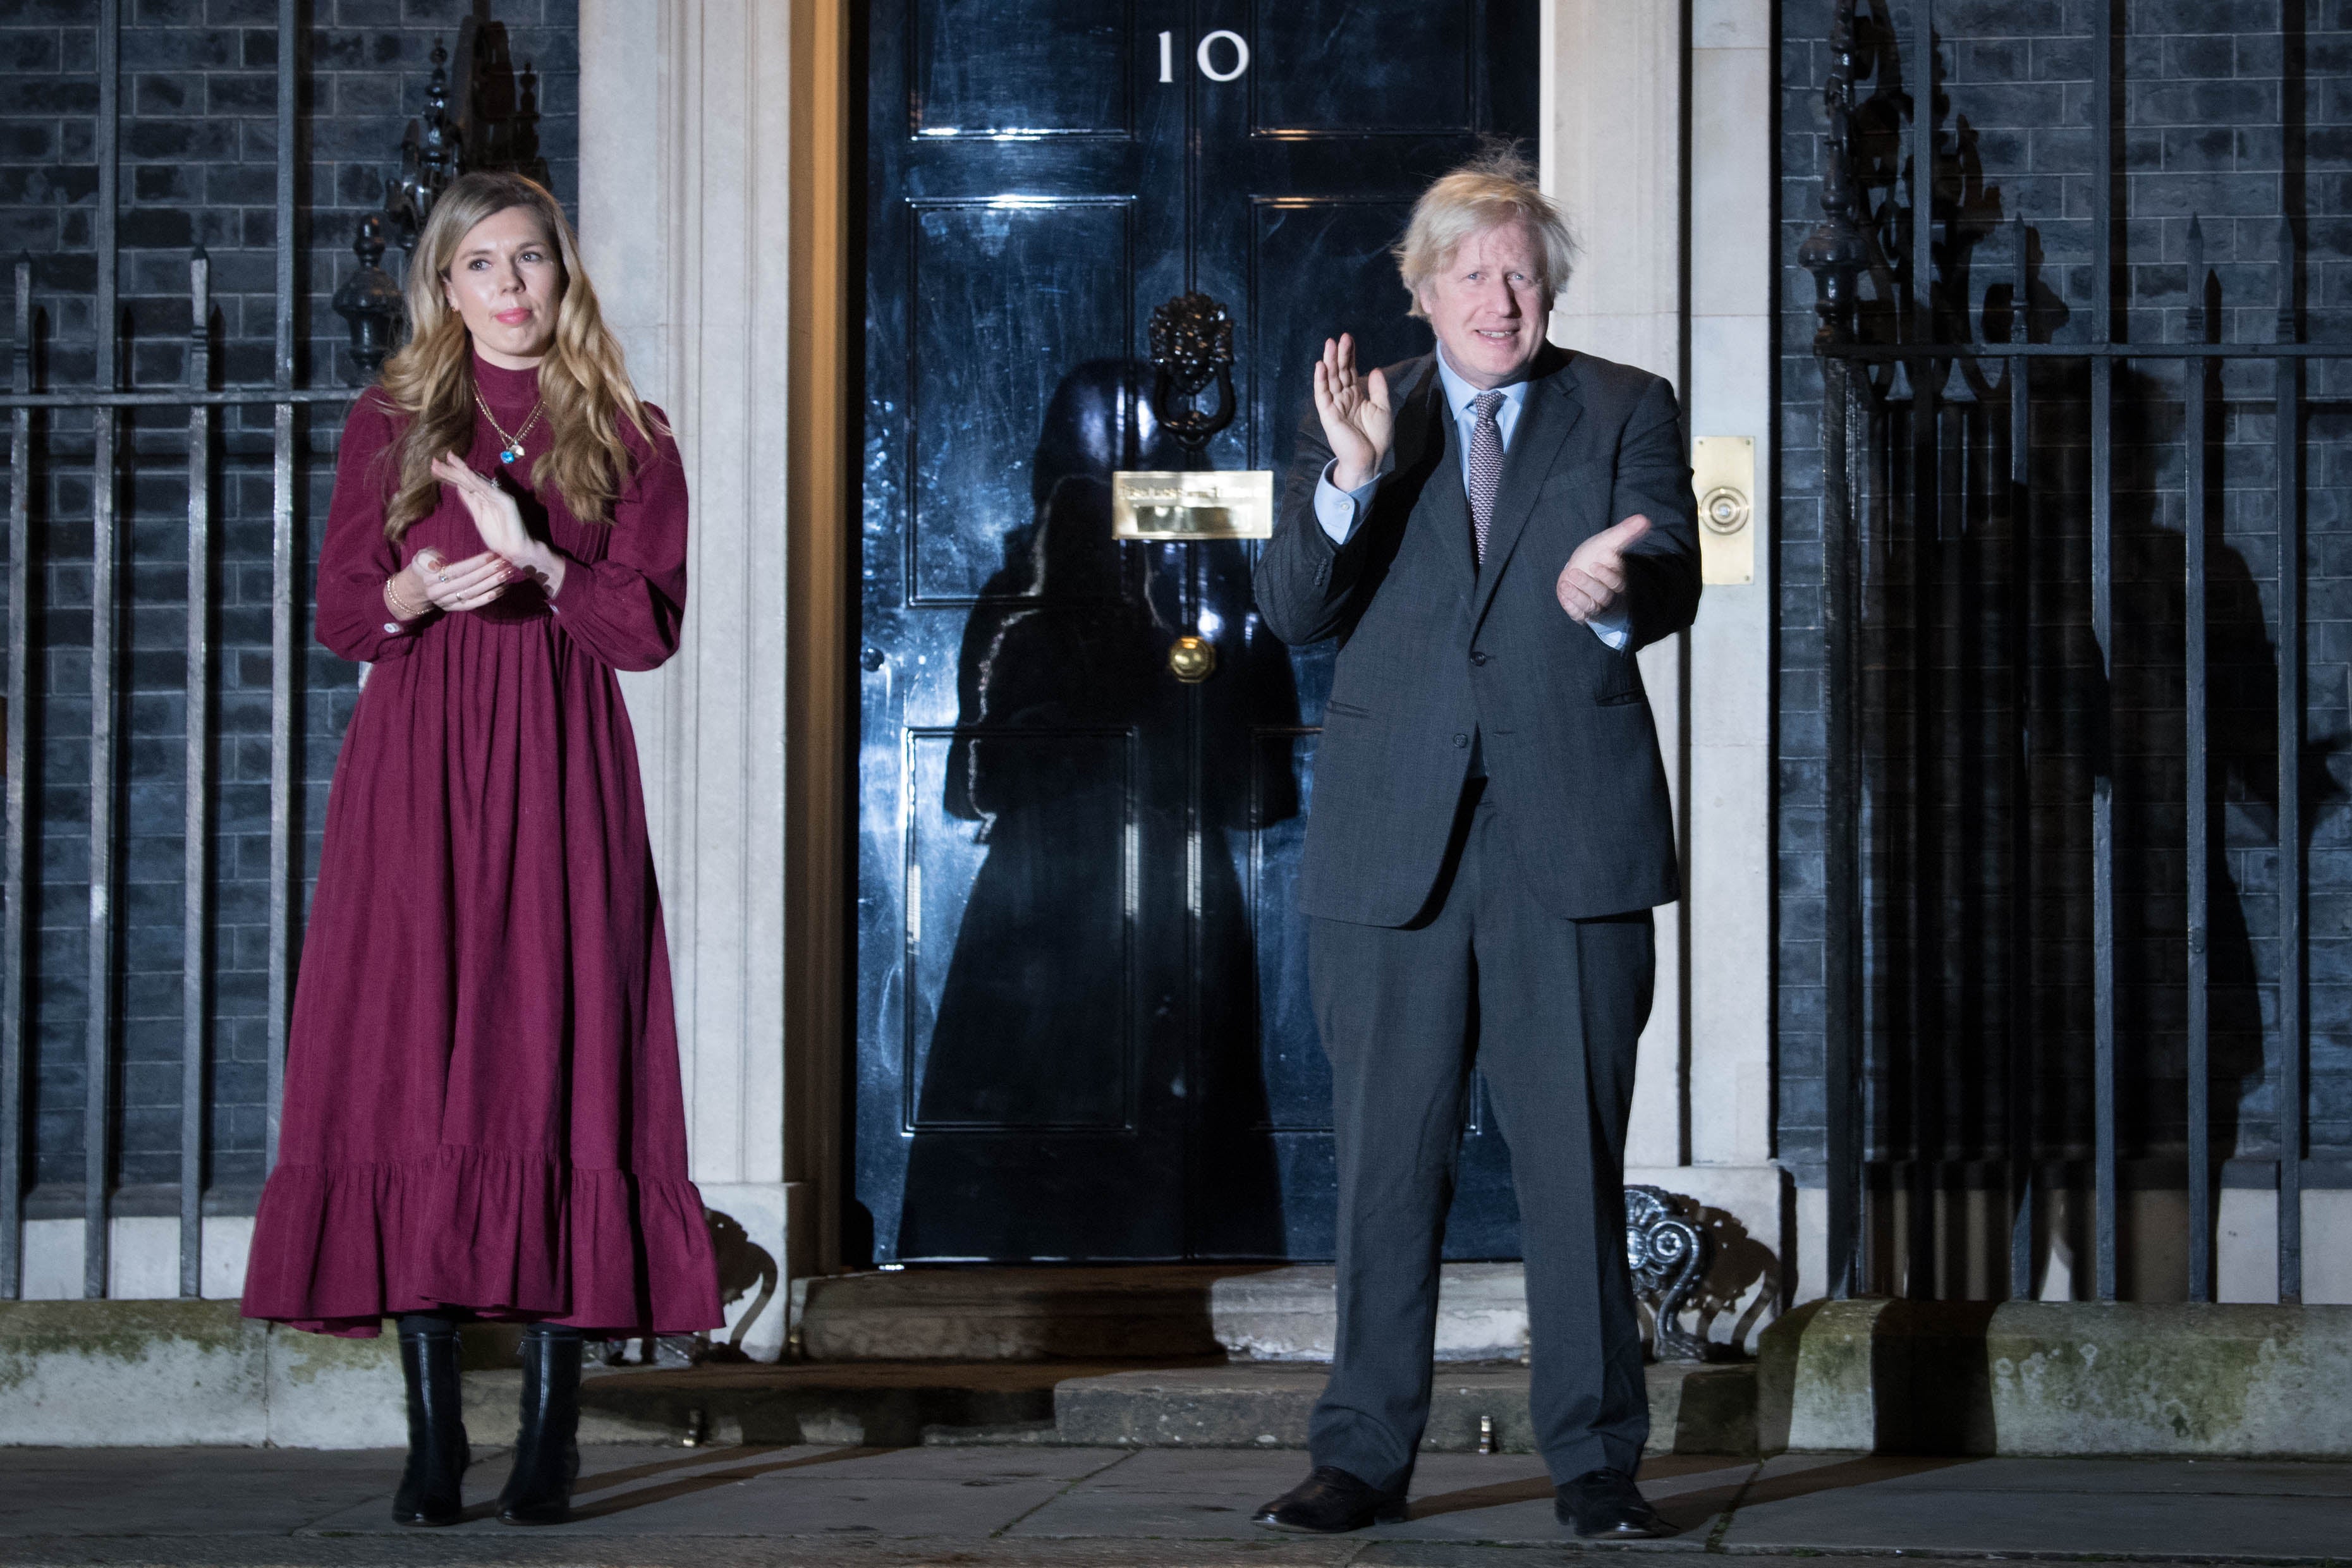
column 547, row 1455
column 431, row 1488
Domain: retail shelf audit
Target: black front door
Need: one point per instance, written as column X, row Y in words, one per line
column 1083, row 1022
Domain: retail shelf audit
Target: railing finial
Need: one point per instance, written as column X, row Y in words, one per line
column 1837, row 252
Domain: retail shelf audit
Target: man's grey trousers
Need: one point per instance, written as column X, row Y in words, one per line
column 1550, row 1010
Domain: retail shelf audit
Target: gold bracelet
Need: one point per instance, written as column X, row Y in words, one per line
column 399, row 606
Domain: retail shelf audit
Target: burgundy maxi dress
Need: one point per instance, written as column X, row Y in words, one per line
column 482, row 1105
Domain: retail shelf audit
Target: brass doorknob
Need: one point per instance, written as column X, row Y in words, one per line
column 1192, row 660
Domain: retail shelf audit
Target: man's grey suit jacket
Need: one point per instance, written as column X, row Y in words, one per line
column 1433, row 648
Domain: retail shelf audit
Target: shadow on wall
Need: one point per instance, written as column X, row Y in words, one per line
column 1731, row 1298
column 1979, row 897
column 744, row 1267
column 1742, row 1283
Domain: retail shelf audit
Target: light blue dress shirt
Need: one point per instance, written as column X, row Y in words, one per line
column 1339, row 510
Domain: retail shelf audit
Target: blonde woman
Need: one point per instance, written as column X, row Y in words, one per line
column 482, row 1113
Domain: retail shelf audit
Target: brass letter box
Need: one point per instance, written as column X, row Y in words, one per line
column 1202, row 505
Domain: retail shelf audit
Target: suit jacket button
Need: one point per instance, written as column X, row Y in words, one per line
column 1477, row 657
column 1461, row 740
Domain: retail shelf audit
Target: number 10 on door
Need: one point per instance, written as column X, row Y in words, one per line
column 1205, row 55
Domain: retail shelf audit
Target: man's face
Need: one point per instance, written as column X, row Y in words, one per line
column 1487, row 305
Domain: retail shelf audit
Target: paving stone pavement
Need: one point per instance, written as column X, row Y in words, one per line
column 1149, row 1508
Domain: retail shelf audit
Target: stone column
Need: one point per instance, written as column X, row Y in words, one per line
column 687, row 197
column 1672, row 199
column 1612, row 112
column 1731, row 782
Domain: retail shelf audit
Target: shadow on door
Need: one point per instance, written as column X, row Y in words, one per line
column 1067, row 644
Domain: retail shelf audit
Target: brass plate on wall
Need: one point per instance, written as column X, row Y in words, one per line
column 1150, row 504
column 1723, row 472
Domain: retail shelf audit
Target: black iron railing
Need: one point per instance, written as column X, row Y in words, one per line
column 493, row 125
column 1895, row 457
column 105, row 403
column 105, row 664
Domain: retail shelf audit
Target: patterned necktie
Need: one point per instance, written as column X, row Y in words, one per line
column 1486, row 468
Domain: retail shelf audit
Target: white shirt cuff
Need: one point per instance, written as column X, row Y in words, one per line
column 1337, row 509
column 1614, row 627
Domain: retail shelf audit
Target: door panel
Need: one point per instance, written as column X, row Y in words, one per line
column 1340, row 66
column 1007, row 294
column 1297, row 1078
column 1085, row 1028
column 1023, row 1005
column 1341, row 249
column 984, row 68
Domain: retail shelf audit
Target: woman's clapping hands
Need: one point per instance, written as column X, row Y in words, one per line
column 499, row 522
column 496, row 517
column 430, row 579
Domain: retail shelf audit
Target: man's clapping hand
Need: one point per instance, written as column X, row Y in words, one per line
column 1356, row 415
column 1593, row 580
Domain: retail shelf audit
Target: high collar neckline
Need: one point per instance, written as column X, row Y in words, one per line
column 503, row 387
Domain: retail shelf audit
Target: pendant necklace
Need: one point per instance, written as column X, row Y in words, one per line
column 510, row 445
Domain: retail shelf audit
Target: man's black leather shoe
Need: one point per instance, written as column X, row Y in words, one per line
column 1605, row 1505
column 1328, row 1501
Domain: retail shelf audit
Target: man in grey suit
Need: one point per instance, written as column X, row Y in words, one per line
column 1490, row 531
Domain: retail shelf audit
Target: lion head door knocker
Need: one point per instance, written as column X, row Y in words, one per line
column 1191, row 339
column 1191, row 347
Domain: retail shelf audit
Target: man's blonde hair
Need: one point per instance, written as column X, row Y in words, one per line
column 1496, row 187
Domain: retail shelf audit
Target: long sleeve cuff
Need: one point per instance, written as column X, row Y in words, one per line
column 354, row 622
column 1614, row 627
column 579, row 587
column 1337, row 511
column 611, row 609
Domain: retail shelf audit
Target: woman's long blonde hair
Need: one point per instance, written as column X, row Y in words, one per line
column 583, row 381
